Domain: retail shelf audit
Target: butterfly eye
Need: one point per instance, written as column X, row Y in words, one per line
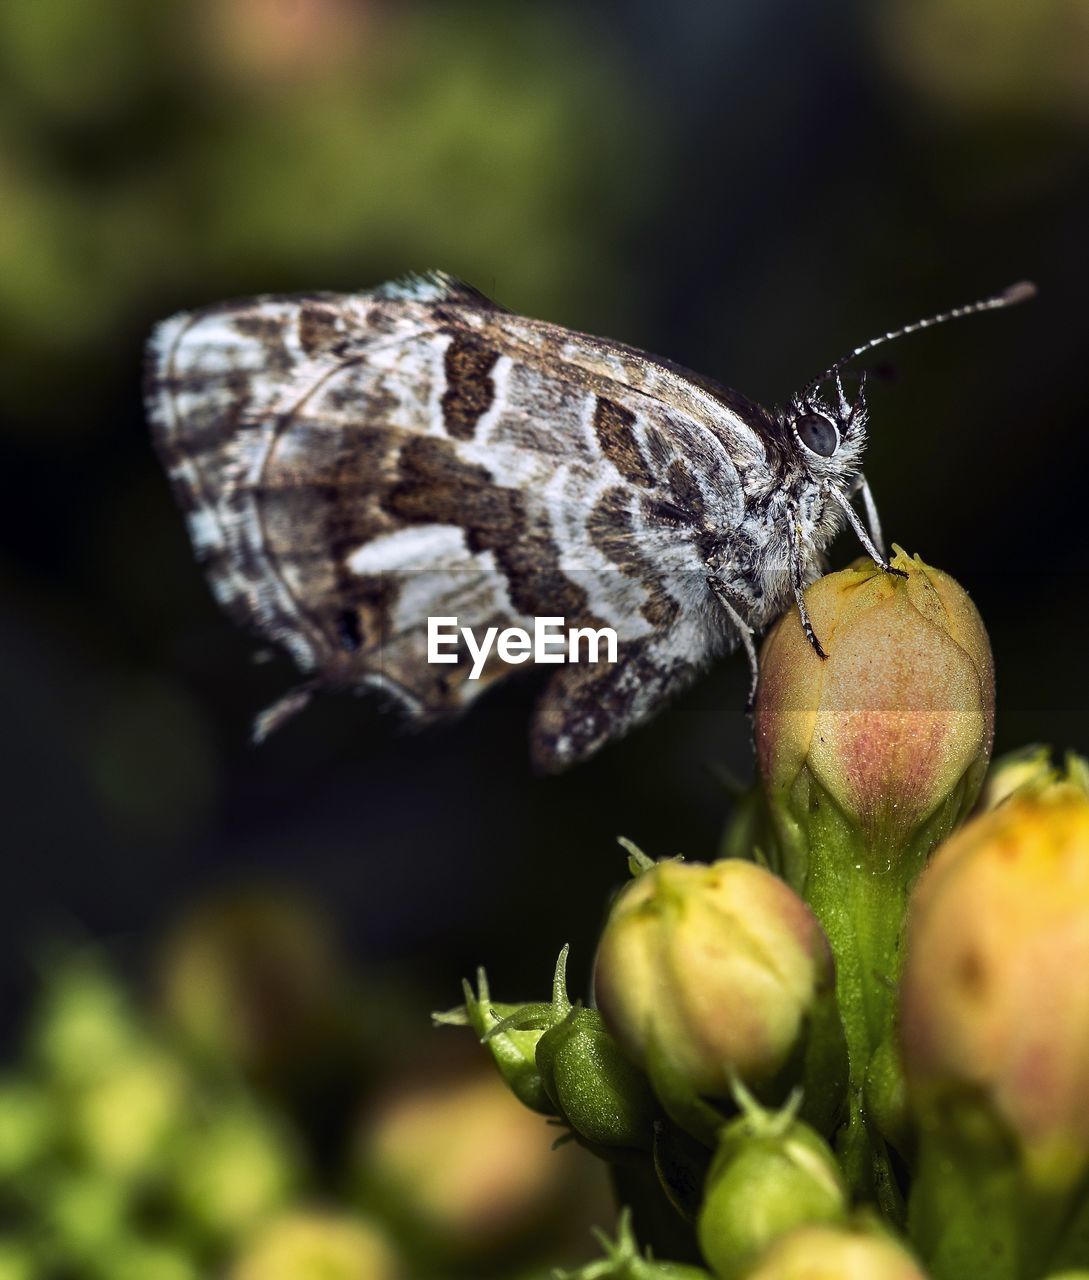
column 818, row 434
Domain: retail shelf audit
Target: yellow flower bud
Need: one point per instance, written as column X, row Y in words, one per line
column 463, row 1167
column 836, row 1253
column 898, row 715
column 995, row 1002
column 713, row 968
column 334, row 1247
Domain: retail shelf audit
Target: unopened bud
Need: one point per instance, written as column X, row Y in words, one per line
column 125, row 1121
column 838, row 1253
column 315, row 1244
column 510, row 1032
column 596, row 1089
column 770, row 1174
column 900, row 715
column 711, row 971
column 995, row 1002
column 458, row 1164
column 233, row 1171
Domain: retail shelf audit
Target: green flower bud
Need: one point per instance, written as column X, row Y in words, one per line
column 84, row 1215
column 233, row 1171
column 124, row 1121
column 560, row 1060
column 770, row 1174
column 83, row 1025
column 595, row 1088
column 309, row 1244
column 836, row 1253
column 510, row 1032
column 711, row 972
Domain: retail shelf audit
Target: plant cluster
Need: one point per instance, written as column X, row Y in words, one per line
column 858, row 1044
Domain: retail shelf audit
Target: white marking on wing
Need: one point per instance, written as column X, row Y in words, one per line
column 204, row 531
column 426, row 546
column 500, row 376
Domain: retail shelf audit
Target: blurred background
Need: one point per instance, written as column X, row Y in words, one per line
column 749, row 189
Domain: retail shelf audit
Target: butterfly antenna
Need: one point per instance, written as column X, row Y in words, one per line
column 1009, row 297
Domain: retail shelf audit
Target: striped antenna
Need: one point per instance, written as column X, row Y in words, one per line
column 1009, row 297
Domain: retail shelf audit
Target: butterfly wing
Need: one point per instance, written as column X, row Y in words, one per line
column 351, row 465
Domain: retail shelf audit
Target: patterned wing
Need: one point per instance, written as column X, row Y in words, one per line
column 351, row 465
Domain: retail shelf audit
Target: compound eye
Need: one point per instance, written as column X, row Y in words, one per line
column 818, row 434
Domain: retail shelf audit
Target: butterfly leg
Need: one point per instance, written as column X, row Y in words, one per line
column 745, row 632
column 282, row 710
column 873, row 521
column 797, row 582
column 860, row 531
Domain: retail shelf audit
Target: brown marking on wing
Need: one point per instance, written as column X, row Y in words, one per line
column 470, row 390
column 613, row 427
column 438, row 487
column 318, row 501
column 610, row 528
column 321, row 328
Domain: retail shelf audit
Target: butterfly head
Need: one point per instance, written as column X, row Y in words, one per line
column 827, row 440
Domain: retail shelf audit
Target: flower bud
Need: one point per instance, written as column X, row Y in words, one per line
column 462, row 1168
column 125, row 1121
column 711, row 972
column 900, row 715
column 510, row 1032
column 84, row 1215
column 252, row 979
column 301, row 1244
column 1029, row 768
column 770, row 1174
column 813, row 1253
column 84, row 1023
column 233, row 1171
column 995, row 1002
column 596, row 1089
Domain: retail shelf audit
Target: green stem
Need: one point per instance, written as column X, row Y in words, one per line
column 861, row 909
column 859, row 890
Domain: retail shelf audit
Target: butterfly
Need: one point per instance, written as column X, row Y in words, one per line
column 351, row 465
